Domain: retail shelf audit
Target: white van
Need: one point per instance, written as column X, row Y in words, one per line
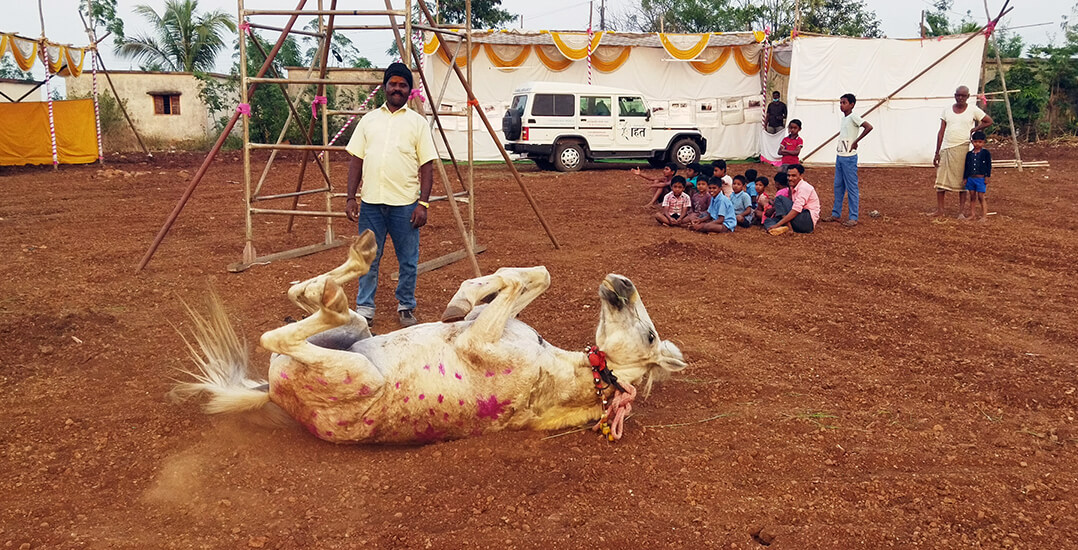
column 562, row 126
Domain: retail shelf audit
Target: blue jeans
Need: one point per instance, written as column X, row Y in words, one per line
column 397, row 222
column 846, row 184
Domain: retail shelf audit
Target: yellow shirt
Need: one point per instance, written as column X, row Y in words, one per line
column 393, row 145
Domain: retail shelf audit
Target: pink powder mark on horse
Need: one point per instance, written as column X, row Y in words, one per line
column 459, row 377
column 404, row 418
column 364, row 390
column 348, row 379
column 323, row 381
column 342, row 423
column 314, row 414
column 441, row 369
column 422, row 396
column 490, row 374
column 432, row 412
column 429, row 435
column 329, row 434
column 426, row 367
column 284, row 375
column 507, row 371
column 441, row 398
column 312, row 429
column 406, row 398
column 398, row 385
column 461, row 402
column 308, row 386
column 490, row 408
column 368, row 421
column 460, row 422
column 332, row 398
column 445, row 416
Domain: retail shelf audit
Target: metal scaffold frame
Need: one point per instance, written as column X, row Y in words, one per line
column 327, row 25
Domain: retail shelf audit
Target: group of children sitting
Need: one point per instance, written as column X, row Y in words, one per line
column 717, row 203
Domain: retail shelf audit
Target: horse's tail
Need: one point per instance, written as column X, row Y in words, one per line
column 222, row 373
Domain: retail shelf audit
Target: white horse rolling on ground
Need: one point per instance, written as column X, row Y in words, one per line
column 477, row 371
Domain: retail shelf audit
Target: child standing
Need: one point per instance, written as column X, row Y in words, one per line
column 660, row 184
column 790, row 148
column 846, row 160
column 676, row 204
column 742, row 202
column 977, row 174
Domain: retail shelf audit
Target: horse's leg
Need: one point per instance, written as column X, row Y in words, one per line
column 291, row 339
column 360, row 255
column 512, row 288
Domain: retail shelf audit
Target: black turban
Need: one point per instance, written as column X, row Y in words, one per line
column 398, row 69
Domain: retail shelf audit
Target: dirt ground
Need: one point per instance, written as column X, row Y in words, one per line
column 907, row 383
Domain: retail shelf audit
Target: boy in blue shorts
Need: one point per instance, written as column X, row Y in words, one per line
column 720, row 214
column 976, row 175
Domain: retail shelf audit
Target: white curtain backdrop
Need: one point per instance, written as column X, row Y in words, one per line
column 823, row 68
column 661, row 82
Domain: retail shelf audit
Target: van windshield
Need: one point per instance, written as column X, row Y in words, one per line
column 519, row 102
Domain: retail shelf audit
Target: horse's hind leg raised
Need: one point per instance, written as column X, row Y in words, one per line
column 360, row 255
column 511, row 288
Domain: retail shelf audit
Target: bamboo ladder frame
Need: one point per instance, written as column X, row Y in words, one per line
column 248, row 86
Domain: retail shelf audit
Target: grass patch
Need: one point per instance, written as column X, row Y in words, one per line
column 817, row 418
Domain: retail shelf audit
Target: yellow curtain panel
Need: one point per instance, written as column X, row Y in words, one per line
column 709, row 67
column 746, row 65
column 578, row 53
column 608, row 59
column 552, row 58
column 697, row 43
column 24, row 51
column 29, row 143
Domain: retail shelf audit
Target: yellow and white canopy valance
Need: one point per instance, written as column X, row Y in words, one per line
column 62, row 58
column 557, row 51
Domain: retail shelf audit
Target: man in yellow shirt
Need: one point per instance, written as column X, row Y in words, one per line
column 391, row 170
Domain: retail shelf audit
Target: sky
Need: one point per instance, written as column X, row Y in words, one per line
column 899, row 20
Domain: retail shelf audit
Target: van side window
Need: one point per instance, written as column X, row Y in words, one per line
column 594, row 106
column 553, row 105
column 519, row 102
column 631, row 106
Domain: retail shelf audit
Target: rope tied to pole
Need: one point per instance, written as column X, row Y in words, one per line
column 245, row 27
column 244, row 109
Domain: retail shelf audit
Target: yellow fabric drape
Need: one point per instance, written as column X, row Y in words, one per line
column 746, row 65
column 3, row 44
column 432, row 45
column 688, row 53
column 709, row 67
column 506, row 63
column 578, row 53
column 550, row 60
column 74, row 67
column 55, row 56
column 17, row 46
column 776, row 66
column 609, row 63
column 28, row 142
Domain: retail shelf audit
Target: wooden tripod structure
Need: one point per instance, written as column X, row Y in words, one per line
column 327, row 25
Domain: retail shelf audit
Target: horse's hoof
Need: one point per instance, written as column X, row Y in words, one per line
column 454, row 313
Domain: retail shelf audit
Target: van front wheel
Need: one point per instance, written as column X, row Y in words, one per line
column 684, row 152
column 569, row 157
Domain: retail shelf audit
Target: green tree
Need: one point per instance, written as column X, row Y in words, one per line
column 840, row 17
column 8, row 69
column 486, row 14
column 103, row 16
column 181, row 39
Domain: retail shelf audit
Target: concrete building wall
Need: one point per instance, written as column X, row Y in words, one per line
column 138, row 89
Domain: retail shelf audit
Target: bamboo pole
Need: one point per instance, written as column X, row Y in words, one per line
column 328, row 31
column 248, row 226
column 1006, row 97
column 490, row 130
column 471, row 122
column 48, row 88
column 908, row 82
column 213, row 152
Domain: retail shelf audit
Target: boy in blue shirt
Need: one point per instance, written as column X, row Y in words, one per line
column 721, row 217
column 741, row 202
column 977, row 174
column 750, row 184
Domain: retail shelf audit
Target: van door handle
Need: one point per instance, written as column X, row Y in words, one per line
column 531, row 121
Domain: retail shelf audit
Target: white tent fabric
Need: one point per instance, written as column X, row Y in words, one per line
column 824, row 67
column 725, row 105
column 769, row 146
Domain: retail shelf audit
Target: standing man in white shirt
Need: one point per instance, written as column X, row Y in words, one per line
column 391, row 171
column 957, row 124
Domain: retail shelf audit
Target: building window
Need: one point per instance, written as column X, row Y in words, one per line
column 166, row 104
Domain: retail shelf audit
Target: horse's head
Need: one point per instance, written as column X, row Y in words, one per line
column 628, row 336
